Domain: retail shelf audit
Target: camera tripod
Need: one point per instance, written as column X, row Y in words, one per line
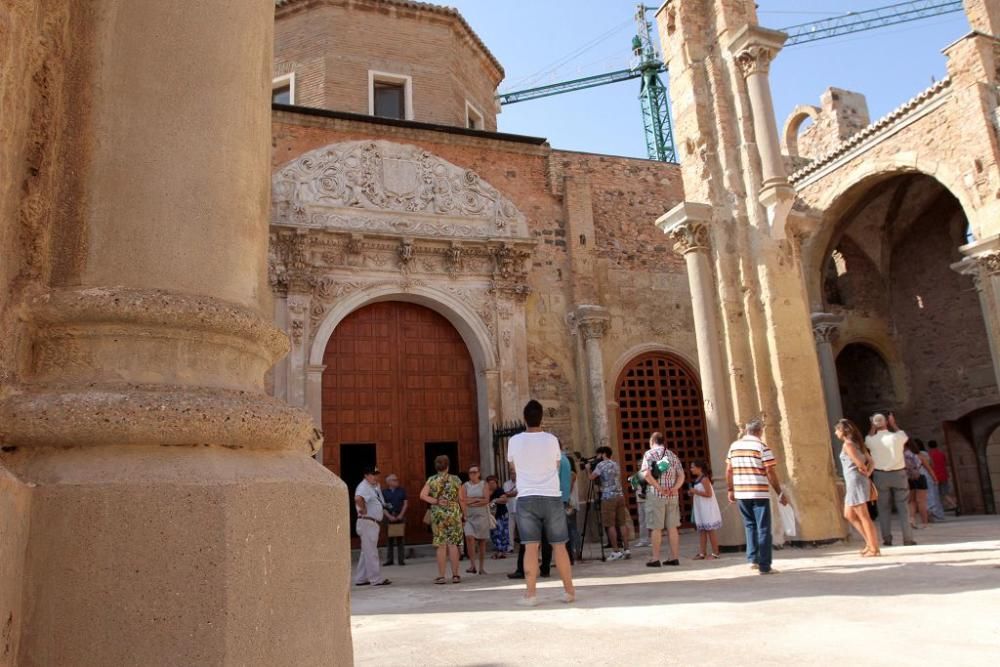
column 593, row 498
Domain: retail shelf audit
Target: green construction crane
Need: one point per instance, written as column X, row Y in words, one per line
column 648, row 65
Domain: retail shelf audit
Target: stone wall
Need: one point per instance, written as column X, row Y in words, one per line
column 643, row 287
column 331, row 45
column 841, row 114
column 14, row 517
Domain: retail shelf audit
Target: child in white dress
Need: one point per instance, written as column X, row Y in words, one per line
column 707, row 517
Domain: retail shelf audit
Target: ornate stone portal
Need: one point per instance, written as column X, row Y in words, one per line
column 362, row 221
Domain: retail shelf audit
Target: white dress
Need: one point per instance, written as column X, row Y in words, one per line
column 706, row 510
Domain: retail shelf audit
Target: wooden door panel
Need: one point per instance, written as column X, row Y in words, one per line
column 400, row 376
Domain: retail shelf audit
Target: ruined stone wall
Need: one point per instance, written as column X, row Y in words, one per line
column 841, row 114
column 332, row 45
column 643, row 287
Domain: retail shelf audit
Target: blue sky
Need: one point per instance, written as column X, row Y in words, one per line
column 888, row 65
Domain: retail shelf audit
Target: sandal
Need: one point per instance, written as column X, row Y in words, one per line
column 455, row 579
column 384, row 582
column 699, row 557
column 472, row 570
column 482, row 572
column 871, row 554
column 712, row 557
column 440, row 580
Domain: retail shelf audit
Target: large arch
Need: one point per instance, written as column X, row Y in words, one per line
column 469, row 325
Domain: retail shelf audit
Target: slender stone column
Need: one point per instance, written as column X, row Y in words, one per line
column 592, row 322
column 176, row 517
column 687, row 225
column 754, row 48
column 825, row 329
column 982, row 263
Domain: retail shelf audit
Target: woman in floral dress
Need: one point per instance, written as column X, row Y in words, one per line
column 441, row 492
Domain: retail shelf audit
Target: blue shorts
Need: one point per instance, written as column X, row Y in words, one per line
column 539, row 516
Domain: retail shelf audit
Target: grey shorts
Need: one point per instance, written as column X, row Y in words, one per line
column 662, row 513
column 539, row 516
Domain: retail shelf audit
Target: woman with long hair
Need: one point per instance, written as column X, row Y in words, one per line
column 918, row 483
column 857, row 465
column 441, row 492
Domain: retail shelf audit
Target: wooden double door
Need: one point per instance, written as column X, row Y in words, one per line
column 399, row 389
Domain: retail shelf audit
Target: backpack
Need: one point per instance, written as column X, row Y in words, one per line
column 912, row 465
column 654, row 470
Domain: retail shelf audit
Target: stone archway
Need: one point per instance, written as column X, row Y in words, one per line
column 398, row 389
column 659, row 391
column 866, row 385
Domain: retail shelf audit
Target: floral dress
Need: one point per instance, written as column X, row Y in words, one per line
column 446, row 522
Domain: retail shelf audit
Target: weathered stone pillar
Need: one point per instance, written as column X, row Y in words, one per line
column 825, row 329
column 687, row 225
column 176, row 517
column 754, row 48
column 592, row 322
column 982, row 263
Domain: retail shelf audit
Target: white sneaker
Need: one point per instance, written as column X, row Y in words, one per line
column 642, row 543
column 628, row 554
column 616, row 555
column 527, row 602
column 567, row 598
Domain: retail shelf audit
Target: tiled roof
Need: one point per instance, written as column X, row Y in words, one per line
column 881, row 124
column 437, row 9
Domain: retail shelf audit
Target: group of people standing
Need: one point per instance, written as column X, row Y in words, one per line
column 889, row 470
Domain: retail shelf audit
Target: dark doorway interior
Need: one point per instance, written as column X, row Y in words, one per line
column 354, row 458
column 432, row 450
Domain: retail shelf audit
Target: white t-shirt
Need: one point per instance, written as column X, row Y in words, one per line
column 372, row 495
column 887, row 449
column 536, row 460
column 509, row 486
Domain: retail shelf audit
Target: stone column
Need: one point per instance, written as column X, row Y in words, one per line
column 592, row 322
column 687, row 225
column 176, row 517
column 825, row 329
column 754, row 48
column 982, row 263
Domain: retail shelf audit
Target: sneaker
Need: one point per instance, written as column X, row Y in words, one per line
column 516, row 575
column 754, row 566
column 527, row 602
column 771, row 571
column 628, row 554
column 567, row 598
column 672, row 562
column 642, row 543
column 909, row 543
column 616, row 555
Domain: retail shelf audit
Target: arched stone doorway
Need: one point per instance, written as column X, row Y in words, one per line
column 398, row 389
column 658, row 391
column 865, row 383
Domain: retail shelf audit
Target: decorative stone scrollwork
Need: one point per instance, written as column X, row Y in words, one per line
column 453, row 259
column 690, row 236
column 826, row 327
column 592, row 328
column 288, row 265
column 405, row 253
column 988, row 263
column 755, row 59
column 387, row 177
column 509, row 273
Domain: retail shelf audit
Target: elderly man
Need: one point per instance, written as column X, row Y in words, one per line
column 369, row 503
column 886, row 447
column 750, row 468
column 395, row 516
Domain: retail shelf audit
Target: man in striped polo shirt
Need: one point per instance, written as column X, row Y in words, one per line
column 749, row 470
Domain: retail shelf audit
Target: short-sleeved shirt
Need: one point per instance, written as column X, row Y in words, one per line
column 536, row 457
column 611, row 478
column 372, row 496
column 565, row 477
column 886, row 448
column 668, row 478
column 509, row 486
column 394, row 499
column 940, row 464
column 501, row 509
column 749, row 459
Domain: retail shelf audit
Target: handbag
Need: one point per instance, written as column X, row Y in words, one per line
column 427, row 518
column 396, row 529
column 493, row 521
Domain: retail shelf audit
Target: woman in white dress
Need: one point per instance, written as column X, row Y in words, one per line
column 475, row 500
column 707, row 517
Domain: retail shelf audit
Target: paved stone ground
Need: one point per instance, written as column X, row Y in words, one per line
column 937, row 603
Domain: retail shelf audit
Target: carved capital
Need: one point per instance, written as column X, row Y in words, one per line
column 826, row 327
column 755, row 59
column 592, row 322
column 690, row 236
column 988, row 263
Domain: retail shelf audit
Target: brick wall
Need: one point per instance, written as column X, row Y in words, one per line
column 332, row 44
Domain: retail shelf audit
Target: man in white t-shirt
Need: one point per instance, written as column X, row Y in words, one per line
column 886, row 448
column 535, row 456
column 370, row 503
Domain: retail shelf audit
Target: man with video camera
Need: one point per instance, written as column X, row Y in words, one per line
column 614, row 512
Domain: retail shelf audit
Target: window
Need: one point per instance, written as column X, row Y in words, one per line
column 473, row 118
column 390, row 95
column 283, row 89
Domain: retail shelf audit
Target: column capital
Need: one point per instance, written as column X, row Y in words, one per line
column 982, row 260
column 826, row 326
column 592, row 321
column 687, row 226
column 754, row 48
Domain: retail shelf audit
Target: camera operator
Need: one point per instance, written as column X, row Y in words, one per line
column 614, row 512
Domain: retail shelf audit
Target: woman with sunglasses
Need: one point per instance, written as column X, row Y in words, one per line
column 475, row 505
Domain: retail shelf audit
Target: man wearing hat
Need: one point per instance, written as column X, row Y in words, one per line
column 370, row 505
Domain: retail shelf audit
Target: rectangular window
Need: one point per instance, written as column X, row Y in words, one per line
column 473, row 118
column 390, row 95
column 283, row 89
column 390, row 100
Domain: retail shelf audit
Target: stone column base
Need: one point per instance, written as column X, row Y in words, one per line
column 206, row 555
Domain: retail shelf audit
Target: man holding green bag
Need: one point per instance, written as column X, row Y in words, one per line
column 665, row 475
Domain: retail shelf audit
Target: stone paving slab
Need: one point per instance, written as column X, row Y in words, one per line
column 936, row 603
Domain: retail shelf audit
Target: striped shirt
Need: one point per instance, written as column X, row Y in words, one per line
column 749, row 459
column 668, row 477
